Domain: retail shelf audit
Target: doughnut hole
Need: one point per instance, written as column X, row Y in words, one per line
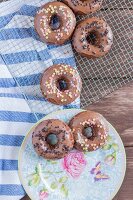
column 52, row 139
column 93, row 38
column 55, row 22
column 90, row 132
column 62, row 84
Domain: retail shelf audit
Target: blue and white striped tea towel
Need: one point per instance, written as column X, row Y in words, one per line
column 23, row 57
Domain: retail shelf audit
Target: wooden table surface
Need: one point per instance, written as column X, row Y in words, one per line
column 118, row 109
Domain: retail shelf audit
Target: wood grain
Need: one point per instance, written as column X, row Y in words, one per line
column 95, row 89
column 118, row 109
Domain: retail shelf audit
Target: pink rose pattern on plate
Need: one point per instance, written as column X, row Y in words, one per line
column 43, row 195
column 74, row 163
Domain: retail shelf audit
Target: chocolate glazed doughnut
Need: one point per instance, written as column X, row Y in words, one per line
column 93, row 38
column 84, row 6
column 89, row 129
column 61, row 84
column 55, row 23
column 52, row 139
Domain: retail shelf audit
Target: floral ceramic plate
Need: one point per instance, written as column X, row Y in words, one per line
column 95, row 175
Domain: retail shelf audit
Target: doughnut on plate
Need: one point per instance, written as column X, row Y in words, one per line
column 100, row 172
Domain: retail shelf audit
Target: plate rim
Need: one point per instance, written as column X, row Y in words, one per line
column 56, row 112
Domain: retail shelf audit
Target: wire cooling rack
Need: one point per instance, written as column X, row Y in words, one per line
column 103, row 75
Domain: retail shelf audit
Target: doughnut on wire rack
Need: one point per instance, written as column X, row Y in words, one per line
column 100, row 76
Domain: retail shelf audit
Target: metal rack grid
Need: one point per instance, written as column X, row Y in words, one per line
column 100, row 76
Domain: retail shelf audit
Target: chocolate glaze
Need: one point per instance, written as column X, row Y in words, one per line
column 49, row 84
column 66, row 18
column 63, row 133
column 84, row 6
column 103, row 34
column 99, row 126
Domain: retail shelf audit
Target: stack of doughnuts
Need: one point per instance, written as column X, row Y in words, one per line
column 86, row 131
